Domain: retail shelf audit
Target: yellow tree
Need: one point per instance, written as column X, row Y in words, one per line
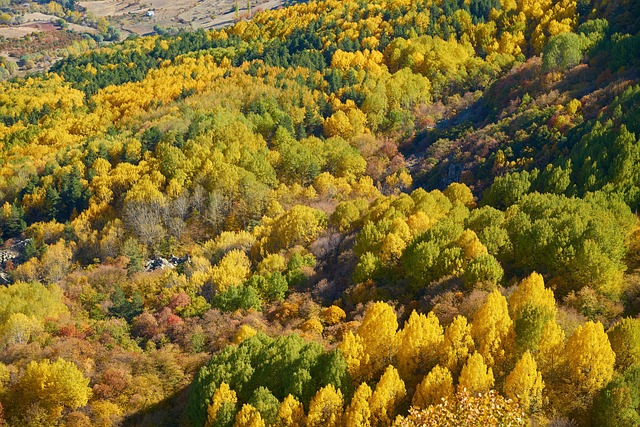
column 232, row 270
column 456, row 345
column 589, row 358
column 358, row 413
column 325, row 409
column 418, row 342
column 490, row 329
column 524, row 383
column 291, row 413
column 436, row 385
column 248, row 417
column 298, row 226
column 531, row 306
column 389, row 394
column 332, row 315
column 551, row 349
column 471, row 244
column 52, row 385
column 460, row 193
column 352, row 348
column 476, row 376
column 222, row 405
column 378, row 332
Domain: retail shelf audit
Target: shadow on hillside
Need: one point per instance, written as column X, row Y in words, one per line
column 166, row 413
column 459, row 147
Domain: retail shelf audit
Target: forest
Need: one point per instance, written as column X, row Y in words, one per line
column 338, row 213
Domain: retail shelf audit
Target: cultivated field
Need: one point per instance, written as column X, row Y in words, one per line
column 134, row 17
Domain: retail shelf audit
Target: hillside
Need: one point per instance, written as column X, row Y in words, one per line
column 338, row 213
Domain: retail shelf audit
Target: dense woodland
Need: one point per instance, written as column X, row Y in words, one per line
column 339, row 213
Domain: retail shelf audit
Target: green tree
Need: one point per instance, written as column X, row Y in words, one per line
column 562, row 51
column 266, row 404
column 625, row 342
column 618, row 404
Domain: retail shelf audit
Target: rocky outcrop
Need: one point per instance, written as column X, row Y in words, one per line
column 162, row 263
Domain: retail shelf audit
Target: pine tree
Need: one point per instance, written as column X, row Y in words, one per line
column 625, row 342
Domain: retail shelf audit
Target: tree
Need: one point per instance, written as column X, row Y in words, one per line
column 618, row 404
column 457, row 345
column 290, row 413
column 232, row 270
column 248, row 417
column 19, row 329
column 126, row 308
column 589, row 357
column 524, row 384
column 387, row 398
column 418, row 342
column 475, row 377
column 222, row 408
column 460, row 193
column 325, row 409
column 561, row 52
column 298, row 226
column 471, row 245
column 378, row 332
column 358, row 413
column 625, row 342
column 12, row 221
column 531, row 305
column 550, row 354
column 51, row 385
column 353, row 350
column 332, row 315
column 436, row 386
column 484, row 270
column 490, row 328
column 466, row 409
column 266, row 404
